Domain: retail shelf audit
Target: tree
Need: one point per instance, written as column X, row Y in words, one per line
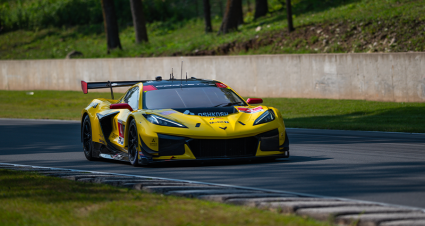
column 240, row 12
column 289, row 16
column 139, row 21
column 207, row 16
column 249, row 5
column 232, row 16
column 111, row 25
column 261, row 8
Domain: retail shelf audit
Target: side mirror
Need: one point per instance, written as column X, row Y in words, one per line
column 121, row 106
column 254, row 101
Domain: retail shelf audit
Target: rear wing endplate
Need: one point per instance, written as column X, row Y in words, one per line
column 85, row 86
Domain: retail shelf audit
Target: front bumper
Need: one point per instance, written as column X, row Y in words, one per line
column 150, row 161
column 183, row 148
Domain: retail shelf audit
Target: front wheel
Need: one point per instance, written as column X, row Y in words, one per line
column 86, row 137
column 133, row 144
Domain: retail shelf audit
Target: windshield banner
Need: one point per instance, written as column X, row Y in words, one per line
column 210, row 112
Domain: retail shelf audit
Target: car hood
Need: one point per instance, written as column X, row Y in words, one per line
column 214, row 122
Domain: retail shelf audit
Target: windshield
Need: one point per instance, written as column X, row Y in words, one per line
column 191, row 98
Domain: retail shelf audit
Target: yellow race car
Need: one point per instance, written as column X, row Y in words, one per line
column 185, row 119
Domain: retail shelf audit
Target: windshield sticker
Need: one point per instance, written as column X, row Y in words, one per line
column 184, row 84
column 168, row 112
column 149, row 88
column 251, row 110
column 213, row 114
column 221, row 122
column 221, row 85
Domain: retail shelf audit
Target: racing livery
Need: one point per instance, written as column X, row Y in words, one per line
column 187, row 119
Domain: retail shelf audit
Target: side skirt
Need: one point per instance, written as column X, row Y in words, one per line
column 102, row 151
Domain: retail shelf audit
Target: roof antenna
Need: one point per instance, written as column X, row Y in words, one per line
column 172, row 74
column 186, row 77
column 110, row 86
column 181, row 75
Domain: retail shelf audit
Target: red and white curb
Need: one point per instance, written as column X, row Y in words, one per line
column 341, row 211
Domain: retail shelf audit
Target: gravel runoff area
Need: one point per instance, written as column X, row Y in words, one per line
column 341, row 211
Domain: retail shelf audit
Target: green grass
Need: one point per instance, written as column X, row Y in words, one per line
column 350, row 114
column 402, row 20
column 30, row 199
column 46, row 104
column 297, row 112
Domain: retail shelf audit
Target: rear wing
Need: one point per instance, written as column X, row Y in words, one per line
column 85, row 86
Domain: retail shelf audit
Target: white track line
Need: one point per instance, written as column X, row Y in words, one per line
column 229, row 186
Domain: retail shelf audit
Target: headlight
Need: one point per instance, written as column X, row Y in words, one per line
column 157, row 120
column 267, row 116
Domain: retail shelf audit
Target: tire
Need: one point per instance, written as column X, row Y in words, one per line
column 133, row 144
column 86, row 137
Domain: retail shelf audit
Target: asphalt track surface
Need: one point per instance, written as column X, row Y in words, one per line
column 370, row 166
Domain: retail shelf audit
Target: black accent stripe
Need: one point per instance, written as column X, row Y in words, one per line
column 269, row 140
column 105, row 122
column 103, row 85
column 145, row 149
column 285, row 144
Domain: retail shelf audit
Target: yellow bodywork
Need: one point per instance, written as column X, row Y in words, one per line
column 209, row 126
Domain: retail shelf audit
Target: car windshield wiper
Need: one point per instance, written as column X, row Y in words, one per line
column 227, row 104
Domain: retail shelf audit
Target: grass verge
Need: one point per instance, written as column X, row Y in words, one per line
column 350, row 114
column 31, row 199
column 46, row 104
column 297, row 112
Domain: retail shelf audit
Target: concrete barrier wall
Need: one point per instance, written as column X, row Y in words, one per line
column 383, row 77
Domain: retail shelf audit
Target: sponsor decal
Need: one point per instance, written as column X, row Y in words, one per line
column 118, row 157
column 223, row 128
column 168, row 112
column 213, row 114
column 187, row 112
column 93, row 104
column 153, row 142
column 219, row 122
column 121, row 129
column 102, row 141
column 250, row 110
column 121, row 140
column 215, row 118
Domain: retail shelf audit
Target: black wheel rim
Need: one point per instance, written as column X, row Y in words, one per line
column 132, row 144
column 87, row 138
